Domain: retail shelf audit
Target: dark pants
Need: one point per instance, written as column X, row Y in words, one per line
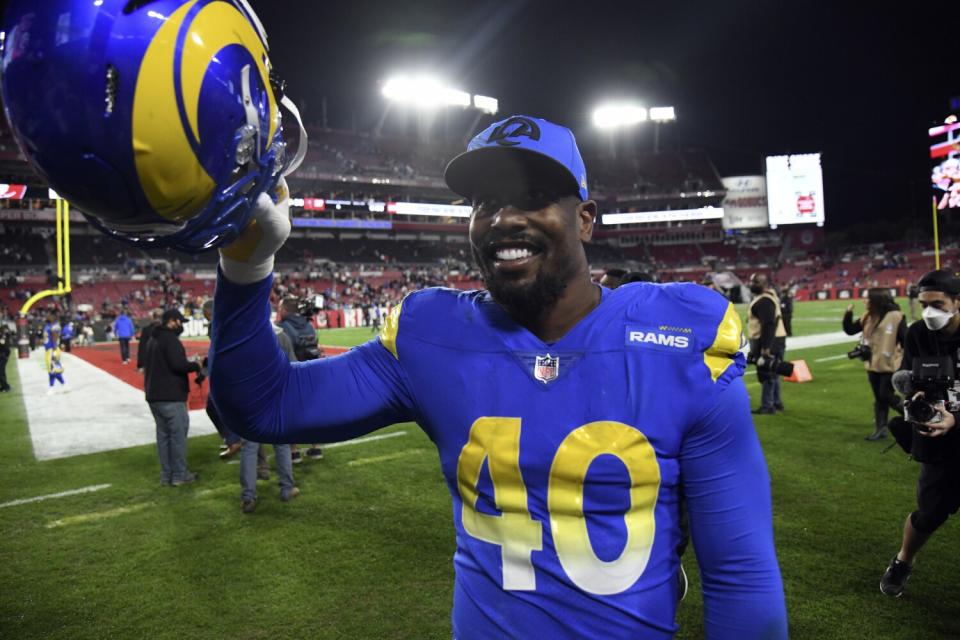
column 884, row 398
column 173, row 423
column 769, row 381
column 938, row 496
column 4, row 386
column 124, row 349
column 66, row 344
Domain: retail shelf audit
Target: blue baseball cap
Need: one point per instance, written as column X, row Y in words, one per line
column 519, row 151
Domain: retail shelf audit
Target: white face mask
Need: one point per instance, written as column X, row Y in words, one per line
column 936, row 319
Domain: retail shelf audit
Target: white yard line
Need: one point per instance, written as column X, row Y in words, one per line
column 385, row 458
column 97, row 515
column 100, row 412
column 829, row 358
column 51, row 496
column 819, row 340
column 348, row 443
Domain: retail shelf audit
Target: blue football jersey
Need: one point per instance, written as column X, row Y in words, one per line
column 568, row 464
column 51, row 332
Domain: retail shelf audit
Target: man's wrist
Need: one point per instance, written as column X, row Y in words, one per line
column 244, row 272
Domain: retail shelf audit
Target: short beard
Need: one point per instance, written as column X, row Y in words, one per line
column 527, row 302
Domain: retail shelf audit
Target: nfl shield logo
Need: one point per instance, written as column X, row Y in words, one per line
column 546, row 368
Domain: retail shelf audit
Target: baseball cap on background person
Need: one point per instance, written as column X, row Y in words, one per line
column 942, row 280
column 518, row 152
column 172, row 314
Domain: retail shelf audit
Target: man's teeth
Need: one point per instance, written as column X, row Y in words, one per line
column 513, row 254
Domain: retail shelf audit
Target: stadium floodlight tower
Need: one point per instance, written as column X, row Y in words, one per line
column 614, row 116
column 427, row 93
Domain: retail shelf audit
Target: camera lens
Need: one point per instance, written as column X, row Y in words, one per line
column 921, row 411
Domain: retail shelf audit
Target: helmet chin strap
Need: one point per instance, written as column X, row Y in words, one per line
column 301, row 142
column 253, row 118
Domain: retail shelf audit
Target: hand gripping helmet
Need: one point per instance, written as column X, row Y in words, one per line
column 158, row 119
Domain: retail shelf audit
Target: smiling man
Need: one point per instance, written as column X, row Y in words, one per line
column 571, row 421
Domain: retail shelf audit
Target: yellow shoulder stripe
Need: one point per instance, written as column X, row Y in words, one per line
column 728, row 342
column 388, row 334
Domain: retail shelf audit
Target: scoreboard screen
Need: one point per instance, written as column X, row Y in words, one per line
column 795, row 189
column 945, row 155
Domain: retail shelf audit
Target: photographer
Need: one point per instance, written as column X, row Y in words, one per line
column 884, row 331
column 768, row 341
column 927, row 429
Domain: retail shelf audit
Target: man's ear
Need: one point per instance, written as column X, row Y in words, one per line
column 586, row 218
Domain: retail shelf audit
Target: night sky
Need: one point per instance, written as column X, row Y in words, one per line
column 748, row 78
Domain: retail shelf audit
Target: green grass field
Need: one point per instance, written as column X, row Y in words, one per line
column 366, row 551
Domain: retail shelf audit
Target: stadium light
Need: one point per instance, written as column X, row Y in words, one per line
column 610, row 116
column 425, row 92
column 662, row 114
column 485, row 104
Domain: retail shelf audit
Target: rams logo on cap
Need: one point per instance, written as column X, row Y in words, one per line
column 514, row 128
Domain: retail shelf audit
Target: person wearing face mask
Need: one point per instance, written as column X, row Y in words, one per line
column 167, row 385
column 884, row 332
column 938, row 487
column 768, row 339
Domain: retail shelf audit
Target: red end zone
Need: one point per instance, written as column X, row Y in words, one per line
column 107, row 358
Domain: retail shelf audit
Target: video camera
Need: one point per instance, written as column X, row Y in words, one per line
column 773, row 364
column 861, row 351
column 934, row 376
column 306, row 307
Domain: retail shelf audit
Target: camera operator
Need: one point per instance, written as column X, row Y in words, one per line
column 884, row 330
column 768, row 341
column 926, row 431
column 293, row 318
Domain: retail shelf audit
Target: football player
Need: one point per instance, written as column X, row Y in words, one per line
column 570, row 419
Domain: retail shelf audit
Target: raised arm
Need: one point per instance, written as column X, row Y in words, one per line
column 851, row 327
column 264, row 397
column 257, row 391
column 727, row 492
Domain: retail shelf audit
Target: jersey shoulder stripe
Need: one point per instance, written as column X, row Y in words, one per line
column 434, row 314
column 690, row 308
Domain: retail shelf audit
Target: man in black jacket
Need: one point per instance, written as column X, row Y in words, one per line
column 167, row 386
column 145, row 334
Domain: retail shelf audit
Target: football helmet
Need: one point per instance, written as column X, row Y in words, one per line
column 158, row 119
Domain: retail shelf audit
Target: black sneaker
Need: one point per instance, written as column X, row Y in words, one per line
column 296, row 457
column 248, row 506
column 779, row 407
column 895, row 578
column 315, row 453
column 763, row 412
column 879, row 434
